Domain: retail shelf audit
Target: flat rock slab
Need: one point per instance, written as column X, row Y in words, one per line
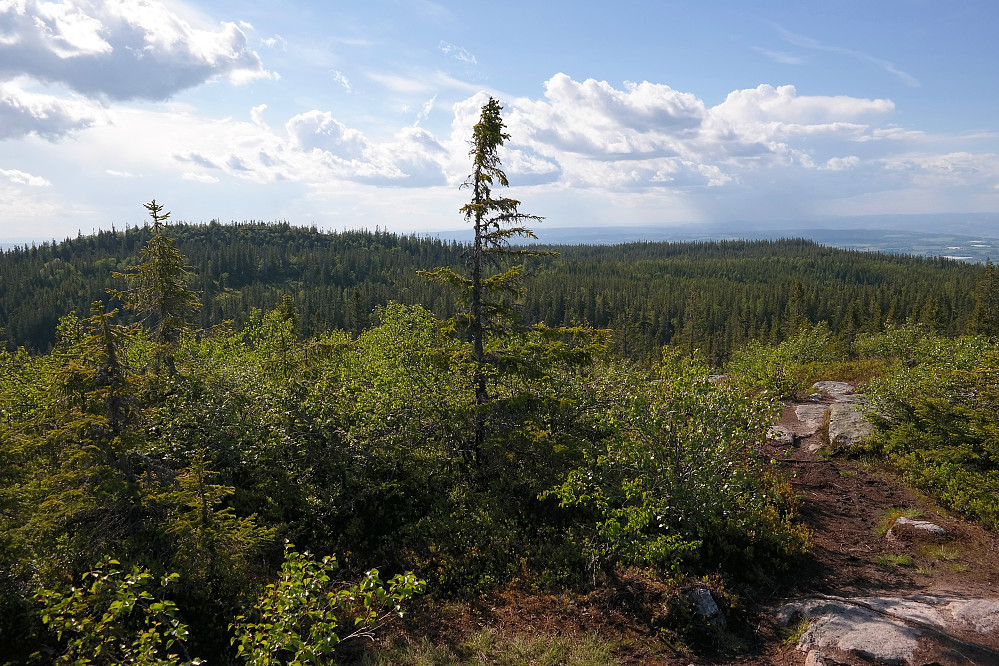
column 838, row 391
column 847, row 425
column 811, row 417
column 833, row 388
column 892, row 630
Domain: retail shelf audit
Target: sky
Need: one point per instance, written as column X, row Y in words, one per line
column 358, row 114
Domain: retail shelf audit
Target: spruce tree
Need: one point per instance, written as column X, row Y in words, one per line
column 159, row 289
column 487, row 293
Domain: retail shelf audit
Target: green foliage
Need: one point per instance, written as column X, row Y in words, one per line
column 116, row 617
column 374, row 442
column 302, row 617
column 680, row 484
column 904, row 560
column 158, row 289
column 914, row 345
column 985, row 317
column 709, row 296
column 486, row 293
column 489, row 647
column 936, row 416
column 777, row 370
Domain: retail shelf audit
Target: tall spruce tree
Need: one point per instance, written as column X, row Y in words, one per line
column 487, row 293
column 159, row 289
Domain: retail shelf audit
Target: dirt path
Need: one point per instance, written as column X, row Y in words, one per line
column 845, row 503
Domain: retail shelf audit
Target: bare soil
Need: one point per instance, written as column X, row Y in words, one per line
column 844, row 502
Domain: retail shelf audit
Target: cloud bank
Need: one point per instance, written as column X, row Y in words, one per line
column 121, row 50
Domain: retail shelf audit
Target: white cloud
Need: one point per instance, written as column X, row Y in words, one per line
column 120, row 49
column 782, row 57
column 842, row 163
column 809, row 43
column 23, row 113
column 428, row 106
column 458, row 53
column 21, row 178
column 766, row 103
column 341, row 79
column 257, row 115
column 319, row 130
column 199, row 177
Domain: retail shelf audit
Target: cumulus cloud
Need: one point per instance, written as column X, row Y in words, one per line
column 594, row 134
column 23, row 113
column 120, row 49
column 320, row 131
column 765, row 103
column 21, row 178
column 842, row 163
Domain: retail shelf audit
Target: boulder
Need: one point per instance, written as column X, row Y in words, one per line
column 847, row 425
column 781, row 434
column 907, row 526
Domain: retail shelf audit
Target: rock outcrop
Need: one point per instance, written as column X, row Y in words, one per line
column 899, row 631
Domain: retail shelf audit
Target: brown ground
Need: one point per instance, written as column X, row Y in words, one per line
column 842, row 501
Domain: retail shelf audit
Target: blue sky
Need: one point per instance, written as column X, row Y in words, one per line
column 348, row 115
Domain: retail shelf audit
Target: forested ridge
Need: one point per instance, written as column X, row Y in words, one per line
column 712, row 296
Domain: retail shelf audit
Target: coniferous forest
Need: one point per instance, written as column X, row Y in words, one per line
column 256, row 443
column 708, row 296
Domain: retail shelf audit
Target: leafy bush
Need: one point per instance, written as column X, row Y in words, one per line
column 762, row 367
column 116, row 618
column 302, row 617
column 936, row 418
column 681, row 485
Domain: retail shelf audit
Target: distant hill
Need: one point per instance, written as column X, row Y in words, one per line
column 712, row 296
column 970, row 237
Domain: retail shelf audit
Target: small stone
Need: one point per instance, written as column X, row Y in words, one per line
column 705, row 606
column 903, row 523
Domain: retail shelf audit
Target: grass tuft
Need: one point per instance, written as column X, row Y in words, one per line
column 894, row 560
column 889, row 517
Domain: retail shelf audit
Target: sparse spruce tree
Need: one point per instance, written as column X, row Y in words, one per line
column 159, row 289
column 487, row 293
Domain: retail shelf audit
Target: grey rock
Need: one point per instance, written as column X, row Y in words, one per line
column 833, row 388
column 781, row 434
column 847, row 426
column 816, row 658
column 904, row 523
column 891, row 630
column 981, row 615
column 844, row 626
column 811, row 417
column 705, row 606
